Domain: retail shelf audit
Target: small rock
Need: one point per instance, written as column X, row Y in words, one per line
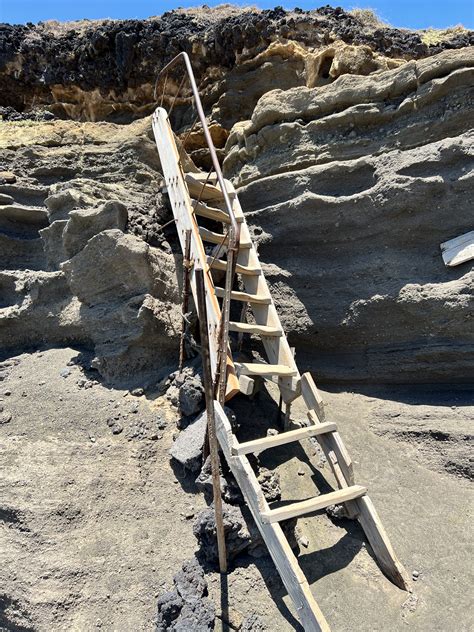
column 42, row 383
column 137, row 392
column 65, row 372
column 117, row 428
column 187, row 449
column 8, row 176
column 304, row 541
column 301, row 472
column 272, row 432
column 415, row 575
column 5, row 417
column 7, row 393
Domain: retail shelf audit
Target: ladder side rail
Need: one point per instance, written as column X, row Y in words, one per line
column 185, row 220
column 234, row 237
column 277, row 349
column 283, row 557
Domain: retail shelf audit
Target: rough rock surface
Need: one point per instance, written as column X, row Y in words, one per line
column 352, row 187
column 81, row 260
column 186, row 607
column 188, row 447
column 106, row 70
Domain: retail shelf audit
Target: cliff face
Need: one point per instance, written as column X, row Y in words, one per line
column 349, row 142
column 106, row 70
column 352, row 187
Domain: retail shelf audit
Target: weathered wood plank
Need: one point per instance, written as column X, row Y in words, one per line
column 283, row 557
column 380, row 543
column 305, row 507
column 259, row 445
column 458, row 250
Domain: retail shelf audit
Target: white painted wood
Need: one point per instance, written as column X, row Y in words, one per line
column 259, row 445
column 201, row 190
column 246, row 384
column 458, row 250
column 218, row 238
column 312, row 396
column 310, row 505
column 380, row 543
column 218, row 264
column 212, row 213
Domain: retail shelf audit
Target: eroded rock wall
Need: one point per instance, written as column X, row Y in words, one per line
column 106, row 70
column 351, row 187
column 82, row 259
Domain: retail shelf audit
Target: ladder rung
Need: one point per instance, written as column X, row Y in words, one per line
column 203, row 210
column 259, row 445
column 218, row 264
column 201, row 190
column 263, row 299
column 314, row 504
column 261, row 330
column 264, row 369
column 217, row 238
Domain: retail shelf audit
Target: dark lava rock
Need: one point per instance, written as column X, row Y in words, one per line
column 186, row 608
column 189, row 581
column 237, row 536
column 270, row 484
column 197, row 615
column 230, row 491
column 169, row 607
column 188, row 447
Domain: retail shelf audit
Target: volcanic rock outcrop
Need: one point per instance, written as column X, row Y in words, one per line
column 77, row 222
column 349, row 143
column 351, row 187
column 106, row 70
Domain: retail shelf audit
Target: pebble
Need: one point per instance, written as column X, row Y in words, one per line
column 7, row 393
column 117, row 429
column 5, row 418
column 42, row 383
column 304, row 541
column 301, row 472
column 415, row 574
column 8, row 176
column 65, row 372
column 272, row 432
column 137, row 392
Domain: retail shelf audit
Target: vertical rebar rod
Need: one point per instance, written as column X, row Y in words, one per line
column 185, row 302
column 211, row 421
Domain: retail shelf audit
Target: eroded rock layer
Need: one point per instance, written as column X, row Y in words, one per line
column 351, row 188
column 106, row 70
column 82, row 260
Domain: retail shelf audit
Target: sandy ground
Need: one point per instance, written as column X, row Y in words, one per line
column 93, row 525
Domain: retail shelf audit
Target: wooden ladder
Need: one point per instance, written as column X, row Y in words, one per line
column 196, row 200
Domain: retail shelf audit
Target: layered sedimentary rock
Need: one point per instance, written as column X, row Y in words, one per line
column 82, row 260
column 97, row 70
column 349, row 142
column 351, row 187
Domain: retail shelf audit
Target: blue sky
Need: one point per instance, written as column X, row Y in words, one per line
column 402, row 13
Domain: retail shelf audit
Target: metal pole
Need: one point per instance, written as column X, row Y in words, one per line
column 211, row 421
column 184, row 307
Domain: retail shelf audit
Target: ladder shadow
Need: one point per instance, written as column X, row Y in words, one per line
column 273, row 583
